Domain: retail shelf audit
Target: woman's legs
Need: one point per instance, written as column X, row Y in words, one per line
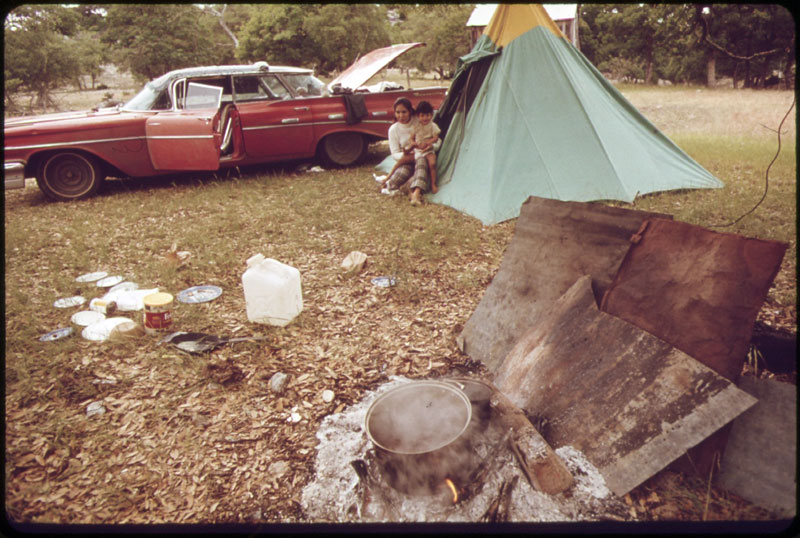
column 400, row 178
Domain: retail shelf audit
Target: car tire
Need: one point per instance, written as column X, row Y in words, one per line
column 69, row 176
column 343, row 149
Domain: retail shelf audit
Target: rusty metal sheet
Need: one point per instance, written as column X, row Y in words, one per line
column 696, row 289
column 629, row 401
column 554, row 243
column 760, row 460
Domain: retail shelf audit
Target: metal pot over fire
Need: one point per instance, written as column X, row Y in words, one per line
column 417, row 430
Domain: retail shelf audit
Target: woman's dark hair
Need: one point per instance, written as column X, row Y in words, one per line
column 424, row 107
column 406, row 103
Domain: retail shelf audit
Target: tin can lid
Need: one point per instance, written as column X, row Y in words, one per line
column 157, row 299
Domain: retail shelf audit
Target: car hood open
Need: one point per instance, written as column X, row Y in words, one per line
column 368, row 65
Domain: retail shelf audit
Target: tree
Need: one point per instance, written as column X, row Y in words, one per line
column 442, row 27
column 344, row 32
column 91, row 55
column 37, row 53
column 329, row 36
column 748, row 41
column 151, row 39
column 275, row 33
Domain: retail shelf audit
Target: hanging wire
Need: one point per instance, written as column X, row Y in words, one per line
column 766, row 175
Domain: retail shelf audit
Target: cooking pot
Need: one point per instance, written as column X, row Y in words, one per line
column 417, row 432
column 479, row 394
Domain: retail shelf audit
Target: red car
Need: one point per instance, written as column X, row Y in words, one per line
column 209, row 118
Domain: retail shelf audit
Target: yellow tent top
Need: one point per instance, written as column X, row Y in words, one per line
column 512, row 20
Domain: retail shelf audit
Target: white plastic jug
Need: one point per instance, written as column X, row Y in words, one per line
column 272, row 291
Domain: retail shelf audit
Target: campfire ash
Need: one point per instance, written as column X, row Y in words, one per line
column 350, row 485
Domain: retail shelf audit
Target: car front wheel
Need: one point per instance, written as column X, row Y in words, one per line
column 343, row 149
column 69, row 176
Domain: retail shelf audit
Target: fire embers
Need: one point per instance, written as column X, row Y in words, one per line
column 424, row 474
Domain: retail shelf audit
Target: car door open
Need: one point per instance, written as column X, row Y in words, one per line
column 184, row 139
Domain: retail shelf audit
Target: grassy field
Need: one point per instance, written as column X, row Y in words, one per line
column 198, row 439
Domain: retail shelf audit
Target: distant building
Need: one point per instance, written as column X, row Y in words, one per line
column 564, row 15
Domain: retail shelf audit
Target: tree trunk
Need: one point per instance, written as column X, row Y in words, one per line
column 711, row 69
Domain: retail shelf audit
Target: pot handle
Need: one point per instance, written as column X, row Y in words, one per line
column 458, row 385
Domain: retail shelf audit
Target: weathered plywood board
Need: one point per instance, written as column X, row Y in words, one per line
column 626, row 399
column 696, row 289
column 760, row 461
column 554, row 243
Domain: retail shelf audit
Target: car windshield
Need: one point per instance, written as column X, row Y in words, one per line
column 149, row 98
column 304, row 84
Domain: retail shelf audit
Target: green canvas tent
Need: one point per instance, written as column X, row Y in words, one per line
column 528, row 114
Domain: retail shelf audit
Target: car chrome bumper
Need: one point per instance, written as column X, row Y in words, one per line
column 15, row 175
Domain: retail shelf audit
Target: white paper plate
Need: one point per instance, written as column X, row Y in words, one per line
column 124, row 286
column 99, row 332
column 109, row 281
column 84, row 318
column 199, row 294
column 69, row 302
column 91, row 277
column 56, row 335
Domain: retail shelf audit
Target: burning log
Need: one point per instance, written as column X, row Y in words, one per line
column 541, row 465
column 477, row 477
column 498, row 510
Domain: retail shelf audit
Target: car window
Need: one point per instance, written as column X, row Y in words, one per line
column 275, row 86
column 200, row 96
column 149, row 99
column 254, row 87
column 305, row 84
column 222, row 83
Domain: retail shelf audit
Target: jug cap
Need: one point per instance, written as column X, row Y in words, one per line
column 257, row 258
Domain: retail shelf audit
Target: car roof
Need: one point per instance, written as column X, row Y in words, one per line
column 222, row 70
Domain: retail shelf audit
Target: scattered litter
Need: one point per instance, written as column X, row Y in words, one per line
column 294, row 417
column 278, row 468
column 278, row 382
column 354, row 261
column 272, row 291
column 56, row 335
column 104, row 382
column 124, row 286
column 91, row 277
column 98, row 305
column 84, row 318
column 327, row 396
column 157, row 312
column 123, row 331
column 128, row 300
column 202, row 342
column 305, row 167
column 384, row 281
column 199, row 294
column 389, row 192
column 95, row 408
column 100, row 331
column 176, row 257
column 109, row 281
column 69, row 302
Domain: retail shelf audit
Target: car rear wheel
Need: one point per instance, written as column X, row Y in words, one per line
column 69, row 176
column 343, row 149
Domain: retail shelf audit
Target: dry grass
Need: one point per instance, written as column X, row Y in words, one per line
column 181, row 443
